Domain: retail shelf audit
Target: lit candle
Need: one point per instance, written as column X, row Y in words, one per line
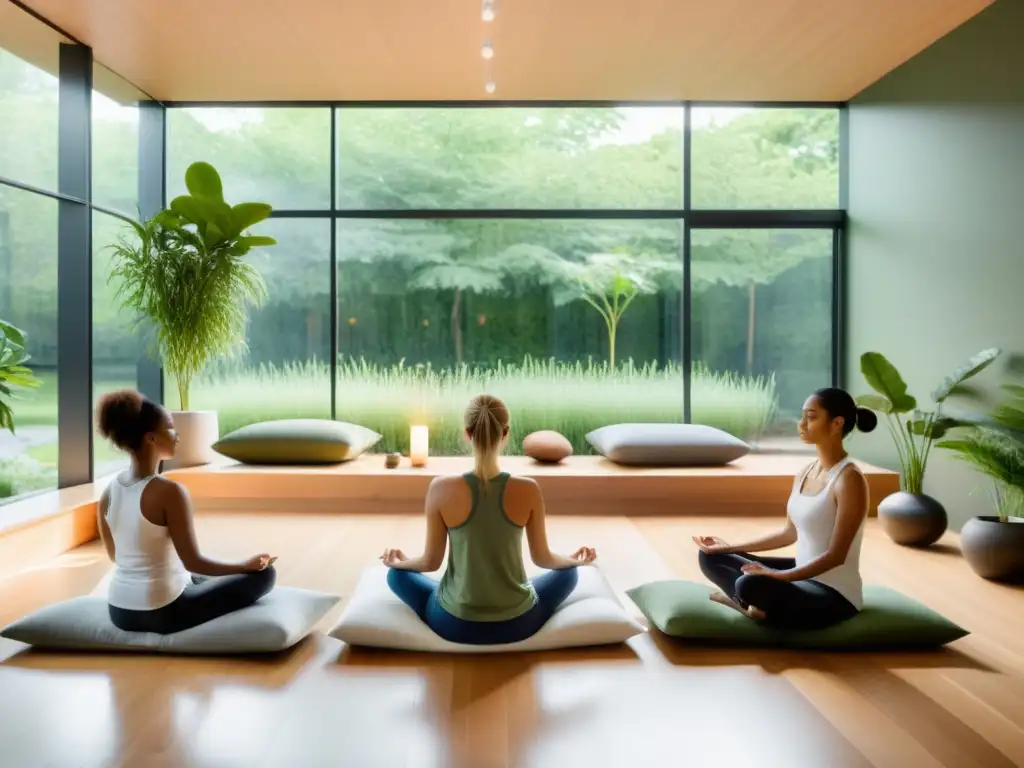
column 419, row 439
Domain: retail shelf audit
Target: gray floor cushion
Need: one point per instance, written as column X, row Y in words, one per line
column 276, row 622
column 671, row 445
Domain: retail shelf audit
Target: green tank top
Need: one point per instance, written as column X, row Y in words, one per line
column 486, row 579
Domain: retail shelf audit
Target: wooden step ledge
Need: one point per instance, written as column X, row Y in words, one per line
column 44, row 525
column 758, row 484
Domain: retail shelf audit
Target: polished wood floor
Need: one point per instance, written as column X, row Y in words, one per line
column 650, row 702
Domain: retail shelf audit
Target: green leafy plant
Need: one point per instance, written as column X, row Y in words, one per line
column 914, row 430
column 23, row 474
column 610, row 281
column 611, row 300
column 183, row 273
column 994, row 445
column 14, row 374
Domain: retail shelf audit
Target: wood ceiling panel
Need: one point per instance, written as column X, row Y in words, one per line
column 29, row 40
column 241, row 50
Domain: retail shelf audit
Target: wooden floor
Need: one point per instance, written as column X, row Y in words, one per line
column 650, row 702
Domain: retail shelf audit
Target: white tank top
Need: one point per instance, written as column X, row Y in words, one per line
column 815, row 520
column 148, row 573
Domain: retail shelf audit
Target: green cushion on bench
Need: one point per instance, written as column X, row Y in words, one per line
column 888, row 620
column 297, row 441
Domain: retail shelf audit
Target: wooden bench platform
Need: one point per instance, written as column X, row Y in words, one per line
column 755, row 485
column 44, row 525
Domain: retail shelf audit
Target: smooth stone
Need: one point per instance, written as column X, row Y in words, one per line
column 547, row 446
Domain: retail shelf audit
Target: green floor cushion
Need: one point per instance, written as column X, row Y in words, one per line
column 297, row 441
column 888, row 620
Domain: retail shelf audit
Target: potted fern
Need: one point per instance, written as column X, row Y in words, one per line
column 994, row 545
column 183, row 274
column 14, row 375
column 910, row 516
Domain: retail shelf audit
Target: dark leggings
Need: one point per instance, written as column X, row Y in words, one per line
column 786, row 604
column 419, row 592
column 203, row 600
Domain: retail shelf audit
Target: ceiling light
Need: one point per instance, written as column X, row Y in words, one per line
column 487, row 14
column 490, row 86
column 487, row 51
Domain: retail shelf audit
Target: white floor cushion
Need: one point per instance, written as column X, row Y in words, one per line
column 275, row 622
column 375, row 617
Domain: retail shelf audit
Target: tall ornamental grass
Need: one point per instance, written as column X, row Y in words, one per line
column 572, row 398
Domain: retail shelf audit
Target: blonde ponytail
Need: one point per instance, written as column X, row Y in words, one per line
column 486, row 423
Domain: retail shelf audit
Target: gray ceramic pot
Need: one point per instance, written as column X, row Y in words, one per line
column 912, row 519
column 993, row 549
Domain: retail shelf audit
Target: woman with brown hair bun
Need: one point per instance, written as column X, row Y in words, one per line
column 145, row 521
column 484, row 597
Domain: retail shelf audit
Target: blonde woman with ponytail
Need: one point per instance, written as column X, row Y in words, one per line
column 484, row 596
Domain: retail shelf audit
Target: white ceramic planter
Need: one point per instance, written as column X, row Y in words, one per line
column 197, row 432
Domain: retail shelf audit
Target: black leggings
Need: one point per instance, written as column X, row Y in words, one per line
column 204, row 599
column 786, row 604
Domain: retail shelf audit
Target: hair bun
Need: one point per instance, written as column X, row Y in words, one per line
column 866, row 420
column 115, row 408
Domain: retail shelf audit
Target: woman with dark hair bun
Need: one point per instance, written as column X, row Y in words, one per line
column 145, row 521
column 822, row 585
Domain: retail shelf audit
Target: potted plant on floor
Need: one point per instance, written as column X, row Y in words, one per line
column 182, row 273
column 14, row 375
column 994, row 545
column 910, row 516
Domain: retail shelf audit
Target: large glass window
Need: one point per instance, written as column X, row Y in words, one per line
column 521, row 158
column 532, row 251
column 280, row 156
column 28, row 98
column 283, row 372
column 762, row 327
column 115, row 142
column 28, row 243
column 754, row 158
column 116, row 342
column 575, row 324
column 28, row 300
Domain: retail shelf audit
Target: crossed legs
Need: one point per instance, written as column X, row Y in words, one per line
column 781, row 604
column 203, row 600
column 419, row 592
